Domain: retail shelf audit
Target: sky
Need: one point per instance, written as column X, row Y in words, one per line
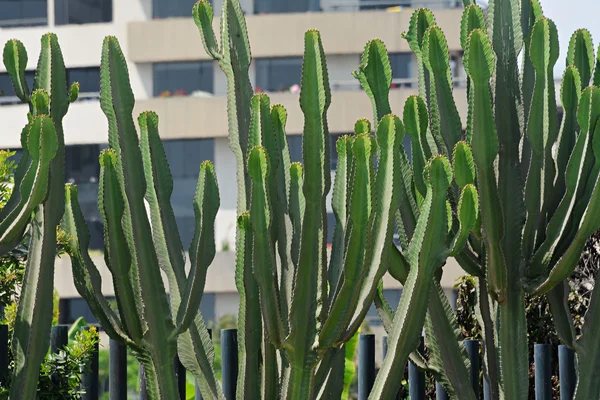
column 570, row 15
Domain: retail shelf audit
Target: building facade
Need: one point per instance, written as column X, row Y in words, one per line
column 172, row 75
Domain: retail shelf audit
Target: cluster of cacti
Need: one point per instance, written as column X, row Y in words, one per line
column 141, row 241
column 36, row 203
column 536, row 182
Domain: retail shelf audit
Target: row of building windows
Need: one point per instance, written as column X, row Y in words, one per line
column 88, row 78
column 16, row 13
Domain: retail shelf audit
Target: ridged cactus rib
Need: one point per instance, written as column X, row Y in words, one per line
column 570, row 93
column 531, row 11
column 580, row 54
column 479, row 65
column 575, row 175
column 467, row 212
column 410, row 316
column 375, row 76
column 15, row 61
column 86, row 276
column 588, row 384
column 309, row 301
column 445, row 118
column 339, row 204
column 265, row 267
column 356, row 257
column 415, row 118
column 389, row 133
column 596, row 78
column 42, row 145
column 297, row 207
column 117, row 255
column 280, row 187
column 541, row 133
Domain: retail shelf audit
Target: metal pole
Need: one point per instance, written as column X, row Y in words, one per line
column 542, row 355
column 117, row 370
column 567, row 372
column 143, row 389
column 472, row 347
column 440, row 392
column 229, row 360
column 366, row 365
column 89, row 379
column 416, row 378
column 181, row 378
column 3, row 353
column 487, row 392
column 59, row 338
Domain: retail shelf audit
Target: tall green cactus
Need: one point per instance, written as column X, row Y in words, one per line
column 512, row 198
column 39, row 181
column 141, row 243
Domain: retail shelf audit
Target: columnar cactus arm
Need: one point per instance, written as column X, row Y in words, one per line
column 577, row 171
column 416, row 122
column 541, row 133
column 375, row 76
column 202, row 249
column 447, row 352
column 194, row 345
column 444, row 111
column 467, row 213
column 596, row 79
column 249, row 315
column 15, row 60
column 588, row 384
column 41, row 144
column 117, row 101
column 580, row 54
column 531, row 11
column 390, row 133
column 297, row 207
column 339, row 204
column 85, row 274
column 281, row 193
column 265, row 268
column 426, row 254
column 356, row 259
column 309, row 300
column 34, row 314
column 117, row 256
column 570, row 93
column 479, row 65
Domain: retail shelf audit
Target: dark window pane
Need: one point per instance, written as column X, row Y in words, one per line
column 82, row 11
column 88, row 78
column 81, row 163
column 383, row 4
column 295, row 146
column 393, row 298
column 6, row 87
column 278, row 74
column 17, row 13
column 285, row 6
column 207, row 308
column 71, row 309
column 173, row 8
column 183, row 77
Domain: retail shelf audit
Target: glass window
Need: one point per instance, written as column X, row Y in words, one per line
column 82, row 11
column 278, row 74
column 295, row 146
column 88, row 78
column 15, row 13
column 382, row 5
column 183, row 78
column 285, row 6
column 185, row 156
column 393, row 298
column 401, row 64
column 6, row 87
column 173, row 8
column 71, row 309
column 207, row 308
column 81, row 163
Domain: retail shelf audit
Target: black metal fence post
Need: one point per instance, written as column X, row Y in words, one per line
column 89, row 379
column 366, row 365
column 440, row 392
column 143, row 388
column 181, row 378
column 229, row 362
column 542, row 355
column 3, row 352
column 59, row 338
column 472, row 347
column 117, row 370
column 567, row 372
column 416, row 378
